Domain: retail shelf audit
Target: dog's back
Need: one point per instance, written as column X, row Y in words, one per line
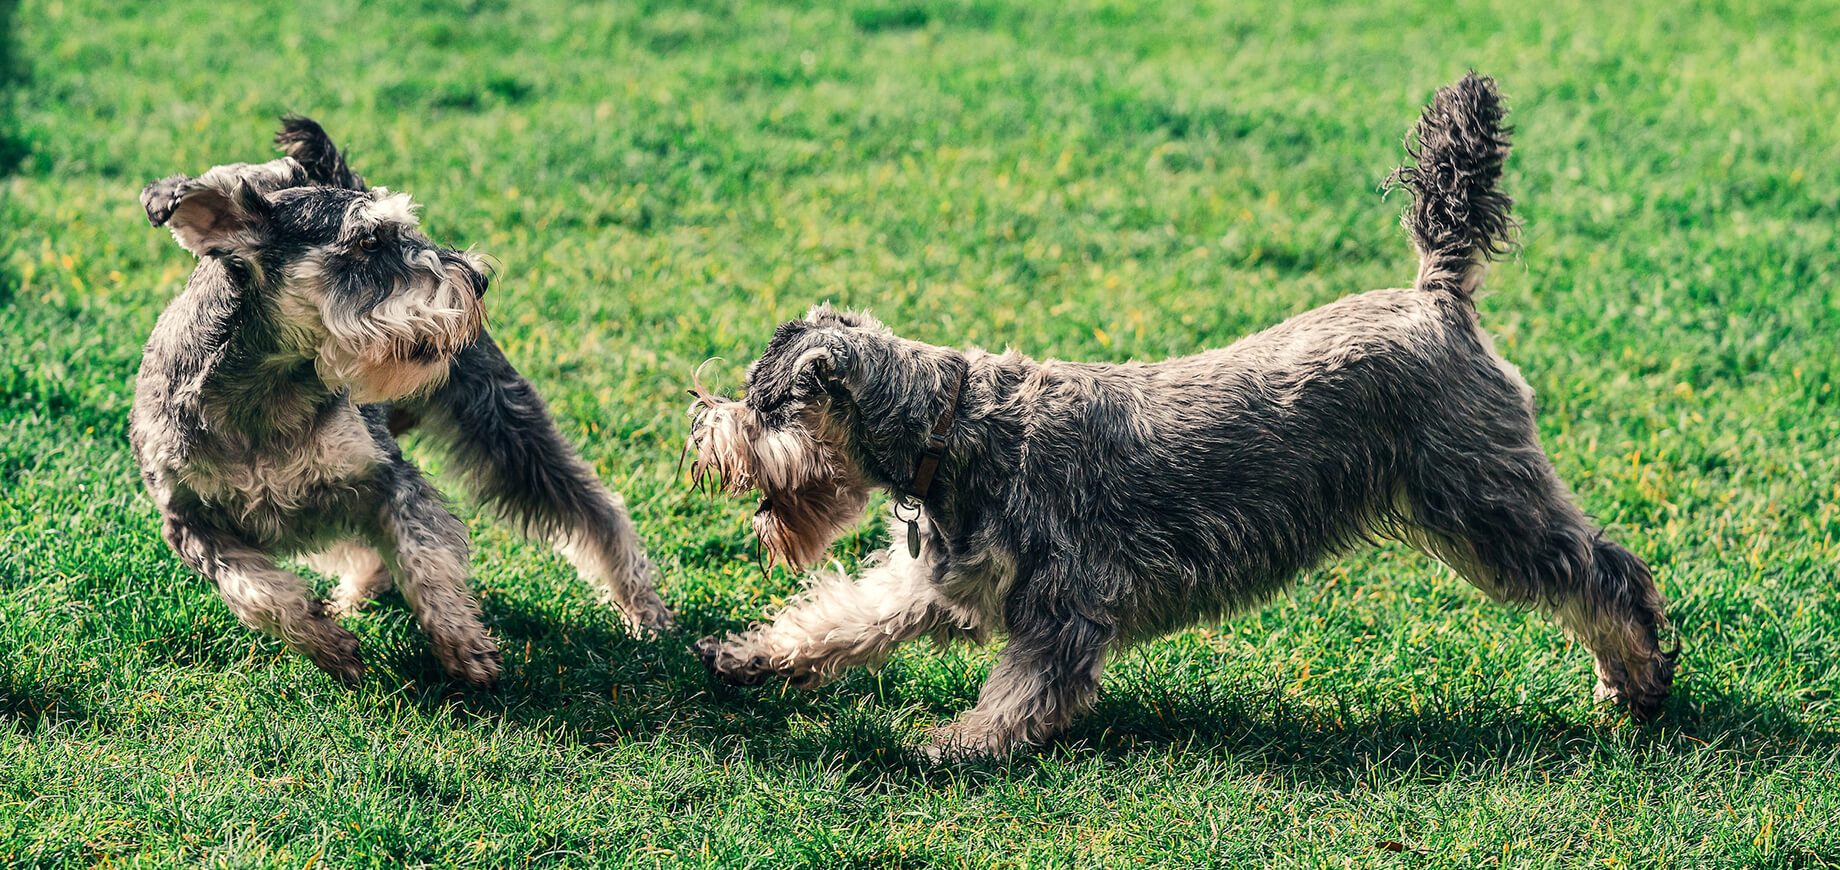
column 1251, row 462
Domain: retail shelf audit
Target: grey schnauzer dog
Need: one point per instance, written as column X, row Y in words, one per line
column 319, row 323
column 1080, row 508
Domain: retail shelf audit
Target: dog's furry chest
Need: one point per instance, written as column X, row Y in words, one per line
column 269, row 489
column 975, row 583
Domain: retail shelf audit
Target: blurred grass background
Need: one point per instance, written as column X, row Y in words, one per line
column 661, row 182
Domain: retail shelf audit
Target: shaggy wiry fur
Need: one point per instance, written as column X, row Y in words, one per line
column 318, row 320
column 1082, row 508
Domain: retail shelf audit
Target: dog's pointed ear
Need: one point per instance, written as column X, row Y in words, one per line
column 208, row 218
column 303, row 139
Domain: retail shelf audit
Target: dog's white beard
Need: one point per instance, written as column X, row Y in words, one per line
column 372, row 380
column 810, row 494
column 404, row 345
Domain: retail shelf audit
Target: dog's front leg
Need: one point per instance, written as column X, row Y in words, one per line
column 513, row 458
column 266, row 597
column 837, row 624
column 426, row 549
column 1048, row 673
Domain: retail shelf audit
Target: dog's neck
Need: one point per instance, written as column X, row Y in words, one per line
column 983, row 448
column 901, row 400
column 258, row 387
column 926, row 468
column 906, row 389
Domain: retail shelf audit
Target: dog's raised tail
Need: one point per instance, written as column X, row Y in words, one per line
column 1459, row 219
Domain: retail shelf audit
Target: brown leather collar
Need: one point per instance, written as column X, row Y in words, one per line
column 935, row 449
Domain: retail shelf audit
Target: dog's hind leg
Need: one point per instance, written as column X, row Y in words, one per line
column 512, row 457
column 267, row 598
column 362, row 574
column 425, row 547
column 1499, row 515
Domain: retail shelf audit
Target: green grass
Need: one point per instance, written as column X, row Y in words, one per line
column 660, row 183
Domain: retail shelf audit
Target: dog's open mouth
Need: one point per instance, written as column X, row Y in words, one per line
column 810, row 493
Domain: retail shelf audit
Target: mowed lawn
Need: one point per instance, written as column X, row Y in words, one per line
column 660, row 183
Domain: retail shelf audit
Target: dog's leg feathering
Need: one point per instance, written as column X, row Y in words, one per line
column 267, row 598
column 426, row 548
column 838, row 624
column 1049, row 671
column 1506, row 523
column 1045, row 677
column 514, row 460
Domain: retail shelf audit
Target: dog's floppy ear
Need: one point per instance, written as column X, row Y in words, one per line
column 208, row 217
column 303, row 139
column 802, row 359
column 159, row 197
column 828, row 361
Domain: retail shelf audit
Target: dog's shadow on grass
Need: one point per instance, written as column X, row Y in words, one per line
column 13, row 147
column 1260, row 727
column 28, row 704
column 574, row 673
column 594, row 681
column 585, row 673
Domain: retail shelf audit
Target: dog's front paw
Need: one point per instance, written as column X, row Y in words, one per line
column 1643, row 696
column 335, row 651
column 969, row 739
column 732, row 663
column 474, row 661
column 1641, row 682
column 956, row 743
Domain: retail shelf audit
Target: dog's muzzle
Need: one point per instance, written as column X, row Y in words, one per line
column 403, row 345
column 809, row 493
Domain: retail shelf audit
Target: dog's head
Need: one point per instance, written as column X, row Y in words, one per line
column 835, row 407
column 342, row 272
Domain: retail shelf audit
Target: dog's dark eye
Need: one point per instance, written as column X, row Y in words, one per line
column 368, row 243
